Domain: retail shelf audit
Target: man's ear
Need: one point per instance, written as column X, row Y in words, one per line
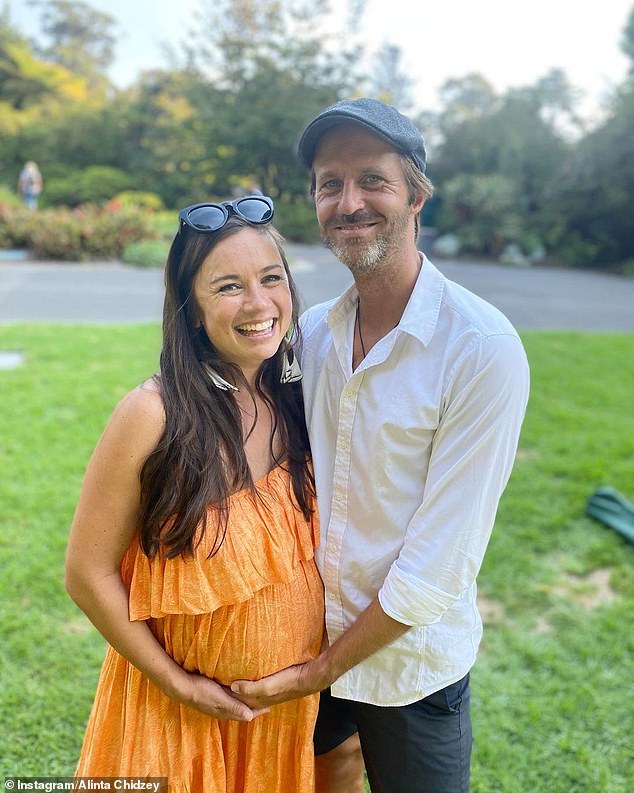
column 418, row 202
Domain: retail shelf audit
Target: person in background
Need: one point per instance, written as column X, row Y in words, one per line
column 415, row 390
column 30, row 184
column 192, row 546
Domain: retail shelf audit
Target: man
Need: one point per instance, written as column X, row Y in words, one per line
column 415, row 392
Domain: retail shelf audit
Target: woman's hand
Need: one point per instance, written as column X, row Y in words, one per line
column 216, row 700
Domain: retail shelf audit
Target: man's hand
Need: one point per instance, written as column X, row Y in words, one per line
column 216, row 700
column 290, row 683
column 372, row 630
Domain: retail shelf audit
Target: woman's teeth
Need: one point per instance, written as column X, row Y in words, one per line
column 256, row 326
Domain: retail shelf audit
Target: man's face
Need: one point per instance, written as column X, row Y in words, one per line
column 361, row 198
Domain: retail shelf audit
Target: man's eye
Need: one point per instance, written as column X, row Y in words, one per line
column 331, row 184
column 373, row 179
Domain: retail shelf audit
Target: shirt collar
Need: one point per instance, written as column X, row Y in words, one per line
column 421, row 312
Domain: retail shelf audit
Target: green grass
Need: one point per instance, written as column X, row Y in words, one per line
column 552, row 706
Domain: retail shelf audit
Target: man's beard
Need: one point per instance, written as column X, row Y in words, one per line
column 363, row 257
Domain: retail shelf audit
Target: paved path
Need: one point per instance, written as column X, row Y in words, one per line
column 532, row 298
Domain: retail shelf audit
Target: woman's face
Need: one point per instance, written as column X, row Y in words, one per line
column 244, row 300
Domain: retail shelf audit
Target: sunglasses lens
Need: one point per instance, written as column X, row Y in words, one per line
column 255, row 210
column 207, row 218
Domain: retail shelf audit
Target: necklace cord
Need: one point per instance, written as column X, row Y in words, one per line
column 359, row 329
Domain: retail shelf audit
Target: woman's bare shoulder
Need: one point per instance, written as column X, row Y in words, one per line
column 140, row 415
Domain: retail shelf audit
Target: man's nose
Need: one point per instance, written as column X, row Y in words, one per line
column 351, row 199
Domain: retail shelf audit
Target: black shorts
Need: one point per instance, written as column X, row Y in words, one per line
column 424, row 747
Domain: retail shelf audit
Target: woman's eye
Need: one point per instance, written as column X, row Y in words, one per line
column 229, row 288
column 272, row 279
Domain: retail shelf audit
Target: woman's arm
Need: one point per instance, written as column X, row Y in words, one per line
column 102, row 529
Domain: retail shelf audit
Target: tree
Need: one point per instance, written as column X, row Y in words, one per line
column 25, row 81
column 78, row 37
column 388, row 82
column 627, row 40
column 594, row 193
column 273, row 65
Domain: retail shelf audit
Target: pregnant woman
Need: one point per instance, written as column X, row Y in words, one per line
column 191, row 549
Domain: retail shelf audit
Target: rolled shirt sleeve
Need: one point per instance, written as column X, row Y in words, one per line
column 471, row 460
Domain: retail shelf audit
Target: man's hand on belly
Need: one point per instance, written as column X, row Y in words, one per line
column 291, row 683
column 372, row 630
column 216, row 700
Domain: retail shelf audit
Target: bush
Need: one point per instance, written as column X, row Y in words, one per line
column 16, row 225
column 94, row 185
column 164, row 224
column 481, row 210
column 297, row 221
column 87, row 232
column 139, row 200
column 146, row 253
column 9, row 197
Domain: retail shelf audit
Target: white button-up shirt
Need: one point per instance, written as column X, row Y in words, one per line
column 411, row 453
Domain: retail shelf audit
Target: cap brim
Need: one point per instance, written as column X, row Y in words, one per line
column 307, row 146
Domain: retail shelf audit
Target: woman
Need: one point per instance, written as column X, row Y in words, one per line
column 192, row 545
column 30, row 184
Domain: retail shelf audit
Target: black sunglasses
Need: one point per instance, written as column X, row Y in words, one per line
column 255, row 209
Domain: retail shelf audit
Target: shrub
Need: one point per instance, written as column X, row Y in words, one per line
column 481, row 210
column 9, row 197
column 139, row 200
column 16, row 224
column 297, row 221
column 86, row 232
column 164, row 224
column 146, row 253
column 94, row 185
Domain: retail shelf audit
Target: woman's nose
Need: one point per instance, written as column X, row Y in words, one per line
column 256, row 296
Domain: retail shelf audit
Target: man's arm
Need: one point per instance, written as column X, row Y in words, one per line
column 372, row 630
column 445, row 541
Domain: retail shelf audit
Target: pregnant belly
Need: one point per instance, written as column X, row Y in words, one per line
column 278, row 626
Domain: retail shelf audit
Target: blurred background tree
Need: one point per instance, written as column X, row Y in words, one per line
column 516, row 168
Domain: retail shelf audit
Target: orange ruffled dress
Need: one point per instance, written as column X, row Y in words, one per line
column 252, row 609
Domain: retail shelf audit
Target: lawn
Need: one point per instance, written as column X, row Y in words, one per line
column 553, row 708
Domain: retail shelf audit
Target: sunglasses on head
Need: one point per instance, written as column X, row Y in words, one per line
column 255, row 209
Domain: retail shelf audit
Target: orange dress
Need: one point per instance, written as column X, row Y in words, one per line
column 252, row 609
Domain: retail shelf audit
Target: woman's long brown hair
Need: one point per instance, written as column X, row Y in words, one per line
column 200, row 460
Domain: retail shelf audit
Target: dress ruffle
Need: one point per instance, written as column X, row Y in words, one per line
column 255, row 607
column 273, row 538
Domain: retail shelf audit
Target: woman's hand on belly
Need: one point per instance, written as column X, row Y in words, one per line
column 218, row 701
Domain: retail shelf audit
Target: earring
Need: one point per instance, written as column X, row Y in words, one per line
column 218, row 381
column 291, row 373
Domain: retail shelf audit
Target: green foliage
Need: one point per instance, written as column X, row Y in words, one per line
column 78, row 37
column 9, row 197
column 296, row 221
column 594, row 192
column 95, row 184
column 139, row 199
column 87, row 232
column 16, row 225
column 482, row 210
column 146, row 253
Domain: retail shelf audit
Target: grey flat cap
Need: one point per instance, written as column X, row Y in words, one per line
column 377, row 117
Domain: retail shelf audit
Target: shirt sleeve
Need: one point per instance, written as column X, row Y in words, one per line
column 471, row 460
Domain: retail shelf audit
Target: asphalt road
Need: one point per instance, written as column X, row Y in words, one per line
column 532, row 298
